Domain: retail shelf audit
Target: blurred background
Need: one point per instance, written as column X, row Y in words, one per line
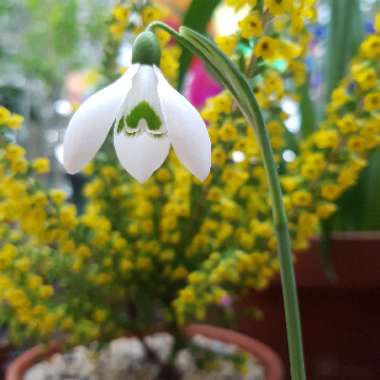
column 50, row 52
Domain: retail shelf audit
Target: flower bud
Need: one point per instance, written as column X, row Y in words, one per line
column 146, row 49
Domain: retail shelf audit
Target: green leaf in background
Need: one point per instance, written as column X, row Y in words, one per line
column 325, row 249
column 307, row 109
column 197, row 17
column 359, row 208
column 345, row 34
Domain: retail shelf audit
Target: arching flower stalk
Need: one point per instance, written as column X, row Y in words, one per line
column 147, row 115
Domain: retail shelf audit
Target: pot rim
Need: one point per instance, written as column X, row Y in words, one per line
column 268, row 358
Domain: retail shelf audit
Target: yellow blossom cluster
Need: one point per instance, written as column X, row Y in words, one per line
column 238, row 225
column 130, row 18
column 272, row 40
column 142, row 256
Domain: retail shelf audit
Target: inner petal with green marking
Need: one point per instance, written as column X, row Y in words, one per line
column 130, row 123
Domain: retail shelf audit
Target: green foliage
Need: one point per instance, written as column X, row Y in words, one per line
column 346, row 31
column 51, row 38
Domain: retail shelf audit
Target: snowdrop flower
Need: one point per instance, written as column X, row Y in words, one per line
column 148, row 116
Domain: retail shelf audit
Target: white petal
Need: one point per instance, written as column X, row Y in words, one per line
column 142, row 154
column 186, row 129
column 144, row 89
column 89, row 126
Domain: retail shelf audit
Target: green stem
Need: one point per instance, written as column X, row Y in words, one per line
column 289, row 289
column 230, row 76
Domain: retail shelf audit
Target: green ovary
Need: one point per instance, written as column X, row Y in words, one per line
column 142, row 111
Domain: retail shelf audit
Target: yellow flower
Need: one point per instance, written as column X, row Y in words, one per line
column 4, row 115
column 150, row 14
column 67, row 323
column 356, row 144
column 298, row 69
column 46, row 291
column 277, row 7
column 215, row 194
column 180, row 273
column 57, row 196
column 19, row 166
column 227, row 43
column 23, row 264
column 371, row 46
column 100, row 315
column 222, row 102
column 289, row 50
column 163, row 37
column 310, row 171
column 266, row 48
column 89, row 169
column 163, row 175
column 117, row 31
column 93, row 188
column 237, row 4
column 144, row 263
column 377, row 23
column 246, row 240
column 347, row 177
column 301, row 198
column 41, row 165
column 326, row 139
column 273, row 84
column 330, row 191
column 371, row 127
column 289, row 183
column 218, row 156
column 14, row 152
column 68, row 216
column 126, row 265
column 347, row 124
column 7, row 254
column 33, row 281
column 251, row 26
column 372, row 101
column 338, row 98
column 15, row 121
column 120, row 13
column 227, row 132
column 83, row 251
column 325, row 210
column 366, row 78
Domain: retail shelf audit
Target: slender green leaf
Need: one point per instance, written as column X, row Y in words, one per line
column 346, row 31
column 307, row 108
column 325, row 249
column 238, row 85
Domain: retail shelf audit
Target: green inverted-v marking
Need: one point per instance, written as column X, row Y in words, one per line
column 142, row 111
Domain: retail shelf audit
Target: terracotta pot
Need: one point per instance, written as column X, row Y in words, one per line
column 340, row 319
column 266, row 356
column 4, row 352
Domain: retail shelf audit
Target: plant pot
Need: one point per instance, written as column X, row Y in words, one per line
column 340, row 319
column 4, row 353
column 271, row 362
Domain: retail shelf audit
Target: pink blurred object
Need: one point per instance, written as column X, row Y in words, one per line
column 225, row 301
column 200, row 85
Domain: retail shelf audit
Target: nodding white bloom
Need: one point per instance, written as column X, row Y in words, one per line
column 147, row 114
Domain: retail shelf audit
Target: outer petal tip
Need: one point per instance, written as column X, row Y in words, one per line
column 202, row 175
column 141, row 155
column 69, row 167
